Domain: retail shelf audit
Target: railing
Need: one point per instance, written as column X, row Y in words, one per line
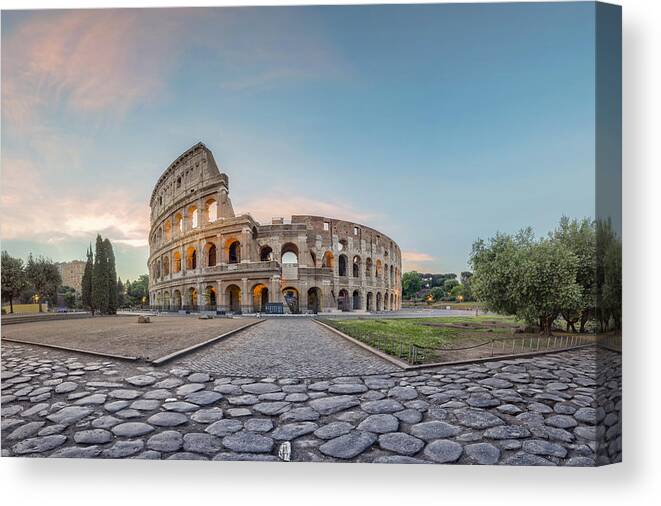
column 217, row 309
column 417, row 354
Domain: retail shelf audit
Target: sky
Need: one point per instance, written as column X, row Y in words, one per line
column 436, row 124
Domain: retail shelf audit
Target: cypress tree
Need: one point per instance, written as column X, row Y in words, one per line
column 100, row 288
column 87, row 280
column 111, row 274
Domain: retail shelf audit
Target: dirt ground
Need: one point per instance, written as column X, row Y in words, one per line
column 123, row 335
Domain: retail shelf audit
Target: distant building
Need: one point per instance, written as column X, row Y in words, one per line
column 72, row 274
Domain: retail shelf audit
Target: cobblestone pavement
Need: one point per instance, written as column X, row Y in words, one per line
column 282, row 347
column 536, row 411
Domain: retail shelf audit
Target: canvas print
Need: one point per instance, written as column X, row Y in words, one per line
column 379, row 234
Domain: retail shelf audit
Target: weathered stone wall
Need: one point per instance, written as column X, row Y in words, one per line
column 202, row 254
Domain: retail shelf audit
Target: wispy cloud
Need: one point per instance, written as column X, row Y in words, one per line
column 280, row 203
column 31, row 211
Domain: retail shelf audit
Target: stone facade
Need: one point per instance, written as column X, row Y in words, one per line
column 72, row 274
column 204, row 257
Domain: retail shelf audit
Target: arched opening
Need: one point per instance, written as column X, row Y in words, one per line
column 368, row 268
column 211, row 299
column 356, row 267
column 211, row 210
column 176, row 299
column 158, row 269
column 166, row 266
column 166, row 301
column 179, row 223
column 260, row 297
column 192, row 297
column 211, row 254
column 234, row 253
column 266, row 254
column 342, row 265
column 392, row 274
column 191, row 258
column 176, row 264
column 343, row 301
column 342, row 245
column 356, row 299
column 378, row 268
column 328, row 260
column 314, row 300
column 370, row 301
column 193, row 216
column 290, row 295
column 386, row 300
column 168, row 230
column 379, row 301
column 159, row 236
column 392, row 302
column 289, row 254
column 233, row 295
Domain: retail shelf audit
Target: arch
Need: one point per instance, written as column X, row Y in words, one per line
column 328, row 260
column 211, row 254
column 370, row 301
column 193, row 216
column 342, row 265
column 166, row 300
column 265, row 254
column 191, row 258
column 368, row 267
column 356, row 267
column 179, row 223
column 343, row 300
column 386, row 300
column 260, row 297
column 392, row 274
column 234, row 252
column 168, row 230
column 355, row 298
column 166, row 266
column 192, row 297
column 290, row 295
column 211, row 210
column 378, row 268
column 233, row 298
column 314, row 300
column 176, row 299
column 342, row 245
column 392, row 302
column 211, row 298
column 289, row 253
column 158, row 269
column 159, row 236
column 176, row 261
column 379, row 301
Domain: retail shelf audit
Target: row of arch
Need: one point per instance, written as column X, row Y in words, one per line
column 259, row 297
column 210, row 258
column 188, row 219
column 380, row 270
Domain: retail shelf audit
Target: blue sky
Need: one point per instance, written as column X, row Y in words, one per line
column 436, row 124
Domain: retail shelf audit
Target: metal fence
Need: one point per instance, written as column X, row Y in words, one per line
column 416, row 354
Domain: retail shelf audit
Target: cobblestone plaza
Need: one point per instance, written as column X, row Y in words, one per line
column 224, row 403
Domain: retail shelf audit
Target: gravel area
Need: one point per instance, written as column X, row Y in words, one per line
column 123, row 335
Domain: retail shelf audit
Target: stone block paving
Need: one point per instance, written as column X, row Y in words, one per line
column 286, row 347
column 548, row 410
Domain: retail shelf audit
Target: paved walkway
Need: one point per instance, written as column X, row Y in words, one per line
column 285, row 347
column 537, row 411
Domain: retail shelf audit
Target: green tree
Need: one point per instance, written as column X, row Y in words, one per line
column 44, row 277
column 437, row 293
column 608, row 307
column 100, row 278
column 13, row 278
column 458, row 291
column 579, row 236
column 449, row 284
column 120, row 293
column 466, row 283
column 111, row 276
column 87, row 281
column 411, row 284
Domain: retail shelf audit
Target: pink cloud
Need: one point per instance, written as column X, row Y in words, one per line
column 87, row 61
column 31, row 212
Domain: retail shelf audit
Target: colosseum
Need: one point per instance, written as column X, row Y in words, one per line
column 203, row 257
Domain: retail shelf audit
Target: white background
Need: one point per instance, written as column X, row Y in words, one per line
column 636, row 481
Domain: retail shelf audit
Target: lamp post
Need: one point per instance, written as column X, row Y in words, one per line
column 36, row 300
